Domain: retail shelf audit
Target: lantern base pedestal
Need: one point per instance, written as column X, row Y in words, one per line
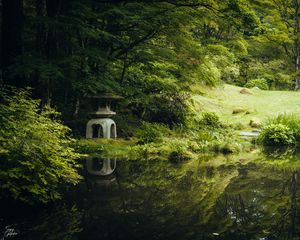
column 101, row 128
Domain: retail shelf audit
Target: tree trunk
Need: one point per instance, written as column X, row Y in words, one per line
column 12, row 42
column 125, row 65
column 41, row 11
column 296, row 87
column 77, row 107
column 296, row 43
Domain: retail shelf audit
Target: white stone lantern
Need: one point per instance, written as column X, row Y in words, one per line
column 102, row 126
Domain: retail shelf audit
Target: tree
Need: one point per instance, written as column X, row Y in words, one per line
column 12, row 38
column 34, row 150
column 280, row 27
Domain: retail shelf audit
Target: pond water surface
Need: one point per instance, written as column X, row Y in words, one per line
column 211, row 198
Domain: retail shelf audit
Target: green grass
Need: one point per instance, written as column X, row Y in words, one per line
column 105, row 147
column 261, row 104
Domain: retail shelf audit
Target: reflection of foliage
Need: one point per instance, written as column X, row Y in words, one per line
column 171, row 193
column 192, row 200
column 259, row 204
column 198, row 198
column 64, row 222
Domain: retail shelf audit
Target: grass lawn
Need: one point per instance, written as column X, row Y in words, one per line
column 261, row 104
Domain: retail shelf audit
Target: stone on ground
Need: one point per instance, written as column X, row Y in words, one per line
column 255, row 122
column 246, row 91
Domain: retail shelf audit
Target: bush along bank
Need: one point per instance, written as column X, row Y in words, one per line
column 281, row 131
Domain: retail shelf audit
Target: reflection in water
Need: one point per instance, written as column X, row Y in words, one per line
column 205, row 199
column 60, row 222
column 101, row 172
column 100, row 167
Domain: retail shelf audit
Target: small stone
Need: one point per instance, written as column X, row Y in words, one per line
column 238, row 110
column 246, row 91
column 249, row 111
column 255, row 123
column 255, row 89
column 256, row 131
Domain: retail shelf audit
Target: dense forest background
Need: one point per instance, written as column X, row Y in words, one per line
column 150, row 52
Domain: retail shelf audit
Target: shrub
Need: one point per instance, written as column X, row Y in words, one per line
column 259, row 82
column 290, row 120
column 179, row 151
column 151, row 132
column 239, row 126
column 210, row 119
column 34, row 150
column 155, row 98
column 277, row 135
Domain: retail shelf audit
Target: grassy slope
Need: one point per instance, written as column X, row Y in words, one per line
column 261, row 104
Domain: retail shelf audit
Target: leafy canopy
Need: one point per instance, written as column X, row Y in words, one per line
column 34, row 149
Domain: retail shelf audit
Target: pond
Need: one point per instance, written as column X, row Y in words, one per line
column 211, row 198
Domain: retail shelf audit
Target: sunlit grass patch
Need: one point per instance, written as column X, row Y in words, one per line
column 261, row 104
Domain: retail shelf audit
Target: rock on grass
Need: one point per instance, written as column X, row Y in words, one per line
column 255, row 122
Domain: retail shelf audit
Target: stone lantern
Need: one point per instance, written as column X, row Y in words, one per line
column 101, row 125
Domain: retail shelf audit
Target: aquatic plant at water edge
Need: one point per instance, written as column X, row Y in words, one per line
column 277, row 135
column 288, row 119
column 281, row 130
column 34, row 150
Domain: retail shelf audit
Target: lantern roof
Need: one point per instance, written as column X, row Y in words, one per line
column 107, row 96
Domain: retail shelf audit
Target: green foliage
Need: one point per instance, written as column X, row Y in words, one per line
column 34, row 150
column 259, row 82
column 155, row 97
column 151, row 132
column 282, row 130
column 210, row 119
column 278, row 135
column 290, row 120
column 209, row 74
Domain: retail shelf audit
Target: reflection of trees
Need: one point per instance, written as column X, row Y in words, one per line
column 61, row 222
column 263, row 204
column 195, row 200
column 156, row 198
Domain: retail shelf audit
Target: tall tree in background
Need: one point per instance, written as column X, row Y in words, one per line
column 289, row 11
column 12, row 29
column 281, row 27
